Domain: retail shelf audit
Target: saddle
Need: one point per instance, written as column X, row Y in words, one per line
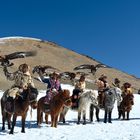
column 46, row 100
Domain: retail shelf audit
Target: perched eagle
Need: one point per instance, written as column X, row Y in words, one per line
column 92, row 68
column 71, row 75
column 5, row 59
column 43, row 69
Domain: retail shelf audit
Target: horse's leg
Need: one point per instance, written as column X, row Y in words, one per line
column 84, row 117
column 55, row 121
column 23, row 122
column 63, row 114
column 97, row 114
column 123, row 114
column 91, row 112
column 52, row 120
column 46, row 118
column 39, row 116
column 3, row 120
column 105, row 116
column 9, row 120
column 62, row 118
column 13, row 124
column 128, row 115
column 79, row 117
column 119, row 114
column 109, row 116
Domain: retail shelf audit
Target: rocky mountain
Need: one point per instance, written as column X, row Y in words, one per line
column 50, row 53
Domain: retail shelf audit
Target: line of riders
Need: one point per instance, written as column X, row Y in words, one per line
column 22, row 79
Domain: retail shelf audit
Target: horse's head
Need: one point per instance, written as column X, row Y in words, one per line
column 32, row 96
column 93, row 97
column 66, row 97
column 117, row 92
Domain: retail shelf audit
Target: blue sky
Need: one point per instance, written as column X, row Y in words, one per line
column 107, row 30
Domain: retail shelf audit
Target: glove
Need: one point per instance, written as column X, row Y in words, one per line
column 20, row 90
column 54, row 90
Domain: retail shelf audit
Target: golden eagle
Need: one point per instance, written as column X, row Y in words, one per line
column 92, row 68
column 5, row 59
column 71, row 75
column 43, row 69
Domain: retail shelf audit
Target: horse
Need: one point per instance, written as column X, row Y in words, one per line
column 84, row 102
column 21, row 105
column 110, row 96
column 126, row 106
column 53, row 108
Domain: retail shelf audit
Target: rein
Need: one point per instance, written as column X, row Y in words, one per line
column 69, row 99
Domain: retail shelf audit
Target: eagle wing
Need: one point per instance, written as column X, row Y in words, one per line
column 16, row 55
column 84, row 66
column 101, row 66
column 70, row 75
column 44, row 69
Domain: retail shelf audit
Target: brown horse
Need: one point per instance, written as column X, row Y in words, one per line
column 126, row 106
column 54, row 108
column 21, row 106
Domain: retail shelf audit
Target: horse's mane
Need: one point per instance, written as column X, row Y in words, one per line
column 88, row 93
column 63, row 94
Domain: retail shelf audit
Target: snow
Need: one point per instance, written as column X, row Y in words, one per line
column 117, row 130
column 17, row 37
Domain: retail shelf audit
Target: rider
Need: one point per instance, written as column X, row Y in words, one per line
column 53, row 85
column 116, row 83
column 103, row 86
column 126, row 89
column 22, row 79
column 79, row 88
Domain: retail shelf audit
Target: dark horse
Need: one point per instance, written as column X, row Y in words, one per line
column 21, row 106
column 54, row 108
column 126, row 106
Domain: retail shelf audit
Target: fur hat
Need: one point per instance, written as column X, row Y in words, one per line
column 116, row 81
column 127, row 85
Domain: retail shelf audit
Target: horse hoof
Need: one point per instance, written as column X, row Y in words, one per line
column 11, row 132
column 109, row 122
column 22, row 131
column 84, row 123
column 91, row 121
column 78, row 122
column 104, row 121
column 3, row 128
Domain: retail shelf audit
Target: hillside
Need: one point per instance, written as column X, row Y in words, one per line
column 50, row 53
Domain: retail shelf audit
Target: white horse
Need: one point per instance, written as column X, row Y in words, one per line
column 111, row 96
column 85, row 100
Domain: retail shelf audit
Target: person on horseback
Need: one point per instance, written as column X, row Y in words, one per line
column 53, row 85
column 80, row 86
column 126, row 89
column 103, row 86
column 116, row 83
column 22, row 80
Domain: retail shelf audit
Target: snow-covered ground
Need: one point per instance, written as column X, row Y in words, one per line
column 118, row 130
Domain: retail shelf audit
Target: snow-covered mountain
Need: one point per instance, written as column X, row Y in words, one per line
column 50, row 53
